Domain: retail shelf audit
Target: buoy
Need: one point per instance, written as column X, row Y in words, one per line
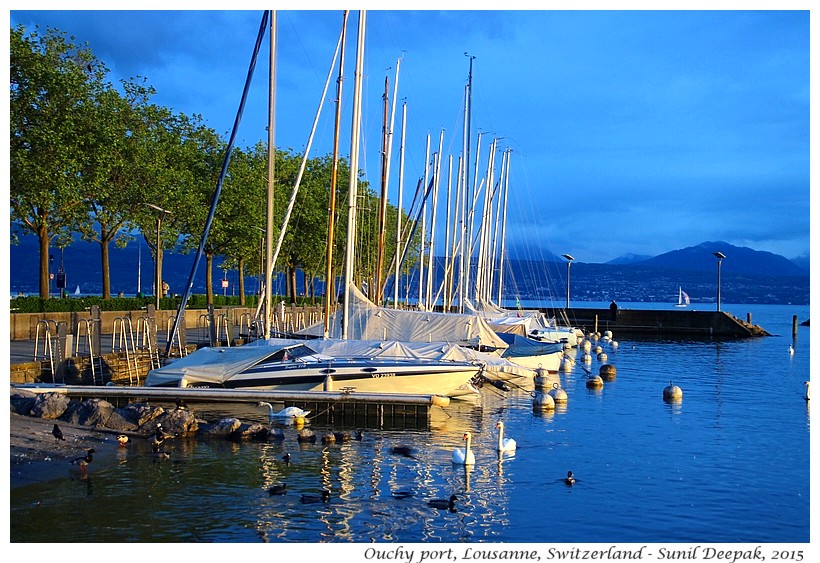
column 672, row 393
column 607, row 372
column 543, row 402
column 587, row 359
column 541, row 378
column 558, row 395
column 614, row 344
column 602, row 357
column 587, row 346
column 608, row 334
column 566, row 363
column 595, row 381
column 599, row 349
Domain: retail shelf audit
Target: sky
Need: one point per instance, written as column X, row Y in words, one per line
column 631, row 131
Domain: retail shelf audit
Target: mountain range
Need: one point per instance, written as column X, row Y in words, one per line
column 748, row 276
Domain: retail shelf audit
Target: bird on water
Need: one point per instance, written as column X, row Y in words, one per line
column 122, row 439
column 313, row 499
column 57, row 433
column 464, row 456
column 404, row 451
column 444, row 504
column 83, row 461
column 278, row 489
column 569, row 480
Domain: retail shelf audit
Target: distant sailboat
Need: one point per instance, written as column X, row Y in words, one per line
column 683, row 298
column 77, row 291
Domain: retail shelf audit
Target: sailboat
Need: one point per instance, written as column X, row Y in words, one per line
column 373, row 367
column 683, row 298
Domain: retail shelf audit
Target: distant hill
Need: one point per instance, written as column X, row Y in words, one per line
column 739, row 260
column 629, row 258
column 748, row 276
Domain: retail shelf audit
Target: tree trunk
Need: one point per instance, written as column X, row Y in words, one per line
column 106, row 275
column 42, row 235
column 241, row 268
column 209, row 281
column 292, row 284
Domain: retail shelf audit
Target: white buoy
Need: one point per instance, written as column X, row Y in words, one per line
column 614, row 344
column 587, row 346
column 541, row 378
column 608, row 334
column 587, row 359
column 558, row 395
column 595, row 382
column 599, row 349
column 672, row 393
column 543, row 402
column 602, row 357
column 566, row 363
column 607, row 372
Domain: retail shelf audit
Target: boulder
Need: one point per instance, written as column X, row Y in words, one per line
column 50, row 405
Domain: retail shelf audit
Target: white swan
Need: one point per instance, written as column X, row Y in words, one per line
column 504, row 444
column 289, row 412
column 465, row 456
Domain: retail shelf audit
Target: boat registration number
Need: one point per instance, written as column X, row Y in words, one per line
column 382, row 375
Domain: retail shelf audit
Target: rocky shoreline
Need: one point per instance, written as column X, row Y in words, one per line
column 37, row 456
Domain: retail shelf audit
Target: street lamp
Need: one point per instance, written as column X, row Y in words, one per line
column 158, row 272
column 569, row 261
column 720, row 256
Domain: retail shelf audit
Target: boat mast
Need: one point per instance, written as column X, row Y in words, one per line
column 330, row 287
column 377, row 290
column 423, row 225
column 398, row 206
column 354, row 169
column 271, row 169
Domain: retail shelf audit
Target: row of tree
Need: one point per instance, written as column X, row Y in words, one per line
column 103, row 162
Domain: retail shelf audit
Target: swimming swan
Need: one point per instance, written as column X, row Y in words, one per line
column 504, row 444
column 465, row 456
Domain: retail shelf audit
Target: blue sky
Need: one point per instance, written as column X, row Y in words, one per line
column 631, row 131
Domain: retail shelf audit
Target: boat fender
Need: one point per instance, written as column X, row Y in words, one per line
column 607, row 372
column 559, row 396
column 595, row 382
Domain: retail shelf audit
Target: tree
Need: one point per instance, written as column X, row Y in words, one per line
column 53, row 85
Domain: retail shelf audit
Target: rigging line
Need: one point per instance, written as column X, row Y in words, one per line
column 228, row 150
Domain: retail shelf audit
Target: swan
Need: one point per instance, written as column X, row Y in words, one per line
column 465, row 456
column 791, row 350
column 808, row 390
column 504, row 444
column 289, row 412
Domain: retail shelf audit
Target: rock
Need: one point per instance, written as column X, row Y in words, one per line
column 50, row 405
column 223, row 428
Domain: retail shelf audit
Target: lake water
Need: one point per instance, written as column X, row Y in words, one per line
column 730, row 463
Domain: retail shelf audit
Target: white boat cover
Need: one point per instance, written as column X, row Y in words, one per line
column 217, row 365
column 369, row 322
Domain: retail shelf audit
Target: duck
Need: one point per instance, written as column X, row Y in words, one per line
column 342, row 436
column 122, row 439
column 329, row 438
column 57, row 433
column 286, row 458
column 359, row 435
column 404, row 451
column 278, row 489
column 464, row 456
column 313, row 499
column 444, row 504
column 402, row 494
column 504, row 444
column 159, row 436
column 569, row 480
column 83, row 461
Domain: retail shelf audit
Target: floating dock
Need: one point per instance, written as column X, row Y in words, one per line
column 334, row 407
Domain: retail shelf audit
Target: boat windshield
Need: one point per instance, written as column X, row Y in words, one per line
column 291, row 353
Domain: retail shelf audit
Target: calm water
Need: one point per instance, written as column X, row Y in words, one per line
column 730, row 463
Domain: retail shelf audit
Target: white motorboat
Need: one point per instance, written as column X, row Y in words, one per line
column 299, row 366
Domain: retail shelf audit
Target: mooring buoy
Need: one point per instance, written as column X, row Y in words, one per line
column 672, row 393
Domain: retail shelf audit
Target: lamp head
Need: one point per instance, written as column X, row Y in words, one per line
column 719, row 255
column 568, row 257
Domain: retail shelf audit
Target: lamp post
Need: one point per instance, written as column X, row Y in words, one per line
column 720, row 256
column 158, row 266
column 569, row 262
